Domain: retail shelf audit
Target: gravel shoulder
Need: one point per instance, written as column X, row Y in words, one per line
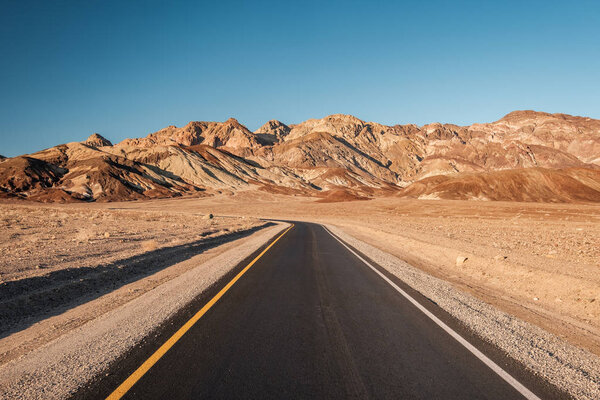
column 60, row 366
column 570, row 368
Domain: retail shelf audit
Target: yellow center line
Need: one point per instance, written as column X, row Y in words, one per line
column 138, row 373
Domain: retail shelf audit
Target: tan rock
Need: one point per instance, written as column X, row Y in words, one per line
column 524, row 156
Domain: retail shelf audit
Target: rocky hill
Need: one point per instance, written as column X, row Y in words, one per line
column 525, row 156
column 526, row 184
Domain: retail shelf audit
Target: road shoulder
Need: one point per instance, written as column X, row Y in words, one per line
column 569, row 368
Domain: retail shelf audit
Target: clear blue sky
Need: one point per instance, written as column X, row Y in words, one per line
column 125, row 69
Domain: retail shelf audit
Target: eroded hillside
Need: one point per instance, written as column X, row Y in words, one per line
column 525, row 156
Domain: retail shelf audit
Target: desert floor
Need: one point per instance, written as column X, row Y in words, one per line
column 540, row 262
column 62, row 266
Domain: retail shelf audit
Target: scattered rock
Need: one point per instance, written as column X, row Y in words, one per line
column 208, row 216
column 500, row 257
column 460, row 260
column 536, row 299
column 106, row 235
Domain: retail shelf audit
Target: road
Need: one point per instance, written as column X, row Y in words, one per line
column 309, row 319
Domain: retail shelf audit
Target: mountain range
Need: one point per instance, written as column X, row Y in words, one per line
column 524, row 156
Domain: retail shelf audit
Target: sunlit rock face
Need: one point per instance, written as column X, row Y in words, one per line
column 525, row 156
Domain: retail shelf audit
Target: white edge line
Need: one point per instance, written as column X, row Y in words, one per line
column 492, row 365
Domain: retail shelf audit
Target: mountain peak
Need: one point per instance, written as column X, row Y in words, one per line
column 538, row 117
column 273, row 126
column 274, row 123
column 274, row 129
column 97, row 140
column 524, row 114
column 348, row 118
column 232, row 121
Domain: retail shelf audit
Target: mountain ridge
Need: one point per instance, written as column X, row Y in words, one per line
column 337, row 153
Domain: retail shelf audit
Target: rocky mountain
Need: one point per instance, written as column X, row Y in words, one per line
column 228, row 134
column 525, row 156
column 273, row 132
column 97, row 140
column 526, row 184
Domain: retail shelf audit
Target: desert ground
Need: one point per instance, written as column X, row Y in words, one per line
column 65, row 265
column 536, row 261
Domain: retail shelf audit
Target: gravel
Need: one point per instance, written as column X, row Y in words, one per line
column 57, row 369
column 570, row 368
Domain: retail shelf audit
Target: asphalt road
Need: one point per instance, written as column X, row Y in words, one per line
column 311, row 320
